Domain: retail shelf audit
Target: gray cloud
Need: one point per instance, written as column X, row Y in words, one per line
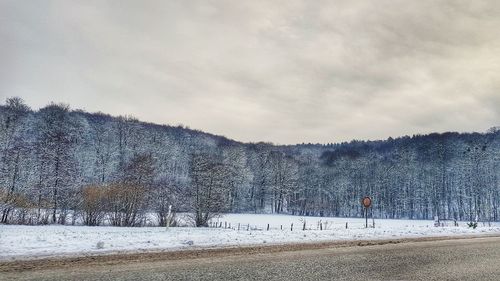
column 281, row 71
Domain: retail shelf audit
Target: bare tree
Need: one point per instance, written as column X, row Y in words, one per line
column 209, row 187
column 93, row 204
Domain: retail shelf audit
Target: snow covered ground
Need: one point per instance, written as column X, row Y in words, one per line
column 22, row 242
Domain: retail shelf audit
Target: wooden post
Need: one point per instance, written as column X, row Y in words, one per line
column 281, row 227
column 238, row 226
column 291, row 227
column 304, row 226
column 169, row 216
column 248, row 227
column 267, row 227
column 345, row 225
column 320, row 226
column 225, row 225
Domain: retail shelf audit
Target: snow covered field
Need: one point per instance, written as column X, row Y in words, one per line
column 21, row 242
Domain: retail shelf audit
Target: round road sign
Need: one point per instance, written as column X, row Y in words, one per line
column 367, row 202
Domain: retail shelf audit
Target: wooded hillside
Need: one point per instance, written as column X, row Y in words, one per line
column 57, row 163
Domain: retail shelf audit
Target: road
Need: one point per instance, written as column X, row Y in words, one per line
column 454, row 259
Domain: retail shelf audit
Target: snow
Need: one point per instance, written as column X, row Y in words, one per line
column 27, row 242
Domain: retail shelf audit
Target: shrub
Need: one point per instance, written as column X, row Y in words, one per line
column 472, row 225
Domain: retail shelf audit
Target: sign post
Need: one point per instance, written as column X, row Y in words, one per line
column 367, row 203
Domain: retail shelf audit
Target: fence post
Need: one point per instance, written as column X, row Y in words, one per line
column 238, row 226
column 320, row 226
column 291, row 227
column 248, row 227
column 281, row 227
column 267, row 227
column 345, row 225
column 304, row 226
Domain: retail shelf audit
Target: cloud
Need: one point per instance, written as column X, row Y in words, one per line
column 281, row 71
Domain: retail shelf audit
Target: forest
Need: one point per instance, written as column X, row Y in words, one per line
column 59, row 165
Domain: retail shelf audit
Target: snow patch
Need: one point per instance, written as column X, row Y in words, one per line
column 22, row 242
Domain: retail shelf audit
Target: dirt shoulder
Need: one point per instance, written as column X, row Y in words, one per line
column 125, row 258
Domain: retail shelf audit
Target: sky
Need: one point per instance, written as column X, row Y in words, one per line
column 286, row 72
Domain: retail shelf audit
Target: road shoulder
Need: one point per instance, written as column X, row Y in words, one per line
column 135, row 257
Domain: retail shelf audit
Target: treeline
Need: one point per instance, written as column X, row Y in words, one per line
column 68, row 166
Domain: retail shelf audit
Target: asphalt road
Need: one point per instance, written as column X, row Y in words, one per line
column 463, row 259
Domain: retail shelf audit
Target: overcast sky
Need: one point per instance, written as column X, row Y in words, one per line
column 281, row 71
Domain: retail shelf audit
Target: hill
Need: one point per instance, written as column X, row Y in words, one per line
column 58, row 164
